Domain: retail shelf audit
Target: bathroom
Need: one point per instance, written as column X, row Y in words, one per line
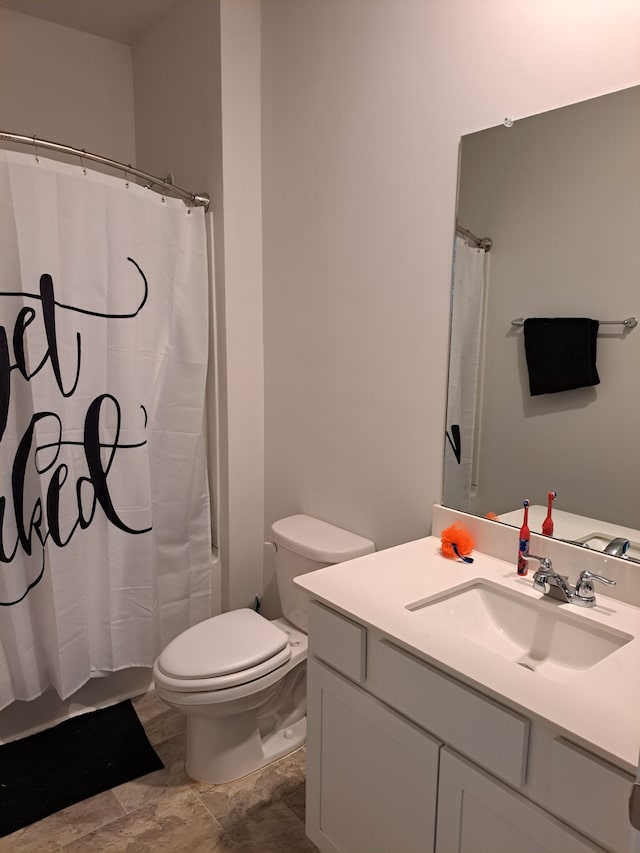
column 331, row 131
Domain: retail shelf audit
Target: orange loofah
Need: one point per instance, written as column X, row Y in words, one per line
column 492, row 516
column 458, row 535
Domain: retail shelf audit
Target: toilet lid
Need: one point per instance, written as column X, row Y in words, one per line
column 230, row 643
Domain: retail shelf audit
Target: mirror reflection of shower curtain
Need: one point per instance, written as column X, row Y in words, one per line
column 464, row 373
column 105, row 537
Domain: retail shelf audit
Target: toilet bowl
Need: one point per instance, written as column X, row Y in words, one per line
column 244, row 707
column 240, row 679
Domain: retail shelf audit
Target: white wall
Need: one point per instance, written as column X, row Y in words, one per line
column 197, row 95
column 363, row 107
column 66, row 86
column 176, row 70
column 363, row 104
column 558, row 193
column 176, row 84
column 240, row 25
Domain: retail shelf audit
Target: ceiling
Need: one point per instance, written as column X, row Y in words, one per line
column 119, row 20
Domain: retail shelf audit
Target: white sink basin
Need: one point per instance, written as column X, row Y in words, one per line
column 538, row 635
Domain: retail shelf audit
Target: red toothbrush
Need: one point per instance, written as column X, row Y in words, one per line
column 547, row 524
column 523, row 545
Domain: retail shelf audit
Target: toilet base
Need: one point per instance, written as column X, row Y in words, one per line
column 235, row 731
column 240, row 751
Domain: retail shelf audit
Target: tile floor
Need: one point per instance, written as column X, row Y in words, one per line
column 167, row 812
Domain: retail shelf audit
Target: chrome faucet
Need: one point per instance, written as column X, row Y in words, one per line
column 617, row 547
column 549, row 582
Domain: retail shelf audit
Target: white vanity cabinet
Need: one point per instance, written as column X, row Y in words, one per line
column 477, row 814
column 402, row 758
column 372, row 776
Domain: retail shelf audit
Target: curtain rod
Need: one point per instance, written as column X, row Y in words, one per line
column 194, row 199
column 484, row 243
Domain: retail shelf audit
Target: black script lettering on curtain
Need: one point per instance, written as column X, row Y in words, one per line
column 31, row 516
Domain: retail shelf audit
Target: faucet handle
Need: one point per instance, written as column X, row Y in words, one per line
column 587, row 576
column 583, row 593
column 545, row 562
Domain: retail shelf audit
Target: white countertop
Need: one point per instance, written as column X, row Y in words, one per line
column 598, row 708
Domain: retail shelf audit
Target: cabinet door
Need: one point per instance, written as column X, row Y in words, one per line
column 371, row 775
column 478, row 814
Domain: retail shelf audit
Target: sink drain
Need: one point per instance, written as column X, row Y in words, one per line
column 525, row 666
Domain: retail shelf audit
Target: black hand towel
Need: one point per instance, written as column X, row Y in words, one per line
column 561, row 353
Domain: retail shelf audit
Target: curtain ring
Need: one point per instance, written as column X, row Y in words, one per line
column 126, row 178
column 84, row 168
column 168, row 181
column 35, row 145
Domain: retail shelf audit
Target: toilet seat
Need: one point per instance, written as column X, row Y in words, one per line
column 225, row 651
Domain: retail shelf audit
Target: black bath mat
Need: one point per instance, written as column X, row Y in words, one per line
column 83, row 756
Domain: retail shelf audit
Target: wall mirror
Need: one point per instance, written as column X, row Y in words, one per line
column 558, row 196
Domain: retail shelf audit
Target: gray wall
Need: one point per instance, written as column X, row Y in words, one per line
column 558, row 194
column 66, row 86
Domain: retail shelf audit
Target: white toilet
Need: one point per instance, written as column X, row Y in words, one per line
column 240, row 678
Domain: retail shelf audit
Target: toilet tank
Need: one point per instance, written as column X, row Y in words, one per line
column 304, row 544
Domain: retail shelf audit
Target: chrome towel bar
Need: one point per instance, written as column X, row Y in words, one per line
column 630, row 322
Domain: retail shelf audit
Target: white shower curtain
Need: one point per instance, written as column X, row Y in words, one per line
column 105, row 547
column 464, row 369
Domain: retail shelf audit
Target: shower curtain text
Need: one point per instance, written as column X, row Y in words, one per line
column 105, row 546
